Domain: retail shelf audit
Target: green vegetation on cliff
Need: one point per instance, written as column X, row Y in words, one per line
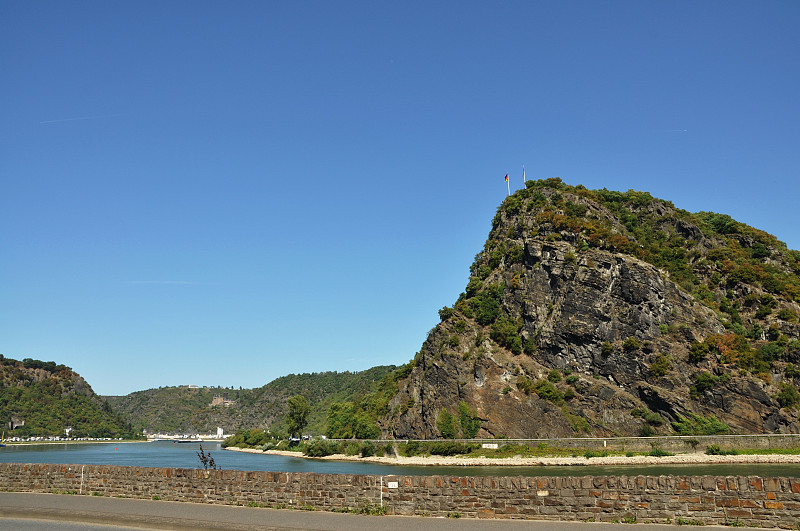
column 740, row 272
column 202, row 409
column 43, row 399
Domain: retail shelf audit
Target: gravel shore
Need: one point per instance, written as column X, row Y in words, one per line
column 677, row 459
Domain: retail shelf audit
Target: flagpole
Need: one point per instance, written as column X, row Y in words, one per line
column 508, row 184
column 523, row 176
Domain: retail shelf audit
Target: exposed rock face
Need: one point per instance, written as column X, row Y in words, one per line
column 560, row 334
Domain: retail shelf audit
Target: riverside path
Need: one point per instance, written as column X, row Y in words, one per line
column 33, row 511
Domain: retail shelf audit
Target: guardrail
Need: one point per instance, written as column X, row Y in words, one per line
column 681, row 443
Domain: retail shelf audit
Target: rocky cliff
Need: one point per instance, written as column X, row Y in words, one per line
column 592, row 312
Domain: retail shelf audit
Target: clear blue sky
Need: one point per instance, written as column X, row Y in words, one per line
column 222, row 193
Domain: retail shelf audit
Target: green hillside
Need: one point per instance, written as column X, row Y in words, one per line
column 195, row 410
column 42, row 399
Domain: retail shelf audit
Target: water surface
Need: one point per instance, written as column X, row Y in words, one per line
column 173, row 455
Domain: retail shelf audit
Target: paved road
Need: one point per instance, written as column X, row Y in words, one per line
column 33, row 512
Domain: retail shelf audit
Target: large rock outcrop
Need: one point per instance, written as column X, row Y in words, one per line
column 600, row 313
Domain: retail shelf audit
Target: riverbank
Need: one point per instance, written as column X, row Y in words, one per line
column 435, row 460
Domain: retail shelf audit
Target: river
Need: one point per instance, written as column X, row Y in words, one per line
column 173, row 455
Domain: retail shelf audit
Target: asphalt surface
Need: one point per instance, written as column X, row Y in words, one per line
column 33, row 512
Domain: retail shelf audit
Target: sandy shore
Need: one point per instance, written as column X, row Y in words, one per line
column 678, row 459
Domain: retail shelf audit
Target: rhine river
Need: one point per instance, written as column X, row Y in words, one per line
column 174, row 455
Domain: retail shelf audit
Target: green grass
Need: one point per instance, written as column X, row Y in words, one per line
column 510, row 450
column 769, row 451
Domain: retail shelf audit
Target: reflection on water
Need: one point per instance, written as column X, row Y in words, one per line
column 168, row 454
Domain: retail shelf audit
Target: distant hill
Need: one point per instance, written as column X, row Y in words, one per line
column 41, row 398
column 595, row 312
column 202, row 410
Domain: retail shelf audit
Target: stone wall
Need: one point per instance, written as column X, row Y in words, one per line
column 753, row 501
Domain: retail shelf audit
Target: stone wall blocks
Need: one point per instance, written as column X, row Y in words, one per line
column 738, row 513
column 551, row 510
column 486, row 513
column 767, row 502
column 727, row 502
column 773, row 505
column 772, row 484
column 711, row 483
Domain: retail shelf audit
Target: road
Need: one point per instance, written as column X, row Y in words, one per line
column 34, row 512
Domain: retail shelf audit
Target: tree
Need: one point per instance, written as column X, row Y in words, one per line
column 447, row 424
column 469, row 420
column 299, row 409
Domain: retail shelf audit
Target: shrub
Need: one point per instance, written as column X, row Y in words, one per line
column 352, row 448
column 446, row 313
column 248, row 439
column 505, row 332
column 525, row 385
column 554, row 376
column 699, row 425
column 486, row 305
column 546, row 390
column 529, row 347
column 660, row 366
column 321, row 448
column 714, row 449
column 590, row 453
column 704, row 381
column 451, row 448
column 367, row 449
column 698, row 352
column 631, row 344
column 648, row 416
column 787, row 396
column 409, row 449
column 658, row 452
column 771, row 351
column 515, row 254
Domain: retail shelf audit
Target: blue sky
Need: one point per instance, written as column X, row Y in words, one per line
column 222, row 193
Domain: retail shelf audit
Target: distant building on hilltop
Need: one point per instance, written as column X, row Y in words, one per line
column 221, row 401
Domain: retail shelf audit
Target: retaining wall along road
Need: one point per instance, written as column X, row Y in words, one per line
column 754, row 501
